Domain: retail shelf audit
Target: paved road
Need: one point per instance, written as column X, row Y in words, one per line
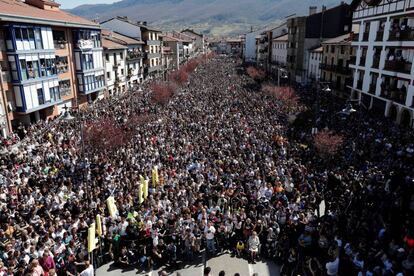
column 224, row 262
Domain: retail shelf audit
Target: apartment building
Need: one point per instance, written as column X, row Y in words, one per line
column 279, row 52
column 139, row 30
column 335, row 62
column 264, row 50
column 307, row 32
column 314, row 65
column 49, row 59
column 173, row 50
column 383, row 66
column 134, row 57
column 199, row 41
column 115, row 65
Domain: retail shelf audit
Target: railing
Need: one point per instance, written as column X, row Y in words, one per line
column 395, row 94
column 343, row 70
column 355, row 37
column 380, row 36
column 62, row 68
column 405, row 35
column 372, row 88
column 401, row 66
column 362, row 61
column 61, row 44
column 376, row 62
column 134, row 55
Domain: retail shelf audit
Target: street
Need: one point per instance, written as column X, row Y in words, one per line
column 222, row 262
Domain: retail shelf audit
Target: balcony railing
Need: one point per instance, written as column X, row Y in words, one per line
column 401, row 66
column 62, row 68
column 403, row 35
column 372, row 88
column 394, row 94
column 134, row 55
column 376, row 62
column 380, row 36
column 362, row 61
column 59, row 44
column 355, row 37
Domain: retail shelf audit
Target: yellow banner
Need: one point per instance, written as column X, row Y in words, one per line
column 140, row 193
column 112, row 209
column 98, row 225
column 155, row 176
column 91, row 238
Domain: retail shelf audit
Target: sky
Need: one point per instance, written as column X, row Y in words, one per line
column 68, row 4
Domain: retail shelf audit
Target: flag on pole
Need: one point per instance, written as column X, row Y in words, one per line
column 91, row 238
column 98, row 225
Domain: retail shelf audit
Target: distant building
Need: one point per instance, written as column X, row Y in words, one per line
column 314, row 68
column 335, row 62
column 140, row 31
column 199, row 40
column 115, row 65
column 250, row 47
column 279, row 52
column 50, row 59
column 307, row 32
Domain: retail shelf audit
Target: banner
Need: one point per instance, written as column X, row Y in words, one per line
column 91, row 238
column 146, row 184
column 113, row 210
column 155, row 177
column 98, row 225
column 140, row 193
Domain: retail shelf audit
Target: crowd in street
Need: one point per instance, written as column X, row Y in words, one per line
column 225, row 184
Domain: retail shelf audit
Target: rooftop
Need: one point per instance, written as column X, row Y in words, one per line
column 281, row 38
column 141, row 24
column 342, row 39
column 108, row 43
column 17, row 11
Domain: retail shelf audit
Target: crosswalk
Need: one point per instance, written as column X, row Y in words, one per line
column 223, row 262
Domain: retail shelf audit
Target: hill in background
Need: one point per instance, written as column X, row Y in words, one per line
column 212, row 17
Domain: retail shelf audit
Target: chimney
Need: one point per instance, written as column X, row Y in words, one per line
column 44, row 4
column 313, row 10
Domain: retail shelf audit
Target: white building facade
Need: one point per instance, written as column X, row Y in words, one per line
column 314, row 65
column 383, row 66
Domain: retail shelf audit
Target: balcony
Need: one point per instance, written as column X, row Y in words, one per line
column 59, row 44
column 402, row 35
column 343, row 70
column 362, row 61
column 376, row 62
column 355, row 37
column 372, row 88
column 401, row 66
column 134, row 56
column 394, row 94
column 380, row 36
column 365, row 36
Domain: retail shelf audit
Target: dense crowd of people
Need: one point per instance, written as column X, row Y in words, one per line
column 225, row 184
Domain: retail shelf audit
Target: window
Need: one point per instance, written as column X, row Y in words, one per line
column 107, row 57
column 40, row 96
column 87, row 61
column 64, row 88
column 54, row 94
column 62, row 64
column 38, row 39
column 108, row 75
column 48, row 67
column 121, row 55
column 122, row 71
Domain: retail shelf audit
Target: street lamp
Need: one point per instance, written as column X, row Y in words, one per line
column 348, row 110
